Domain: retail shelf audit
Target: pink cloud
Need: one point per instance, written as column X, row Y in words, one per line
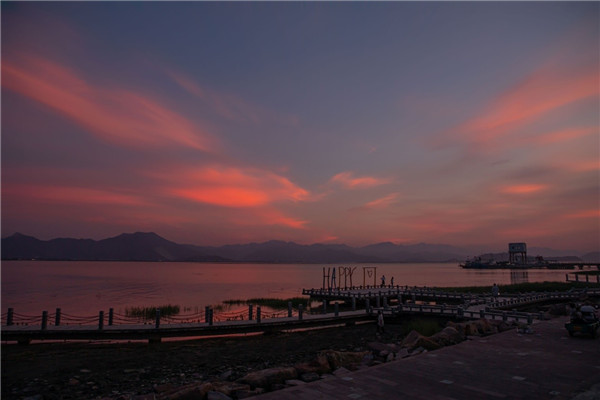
column 349, row 181
column 523, row 188
column 544, row 91
column 27, row 193
column 116, row 115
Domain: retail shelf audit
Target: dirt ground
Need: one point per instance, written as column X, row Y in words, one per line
column 123, row 370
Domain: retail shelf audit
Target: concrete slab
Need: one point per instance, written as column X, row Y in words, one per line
column 547, row 364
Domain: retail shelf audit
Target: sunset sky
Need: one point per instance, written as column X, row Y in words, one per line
column 463, row 123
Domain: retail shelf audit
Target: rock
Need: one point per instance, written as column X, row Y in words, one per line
column 310, row 377
column 73, row 382
column 244, row 394
column 341, row 372
column 294, row 382
column 229, row 388
column 415, row 340
column 319, row 365
column 448, row 336
column 226, row 375
column 339, row 359
column 212, row 395
column 189, row 392
column 266, row 378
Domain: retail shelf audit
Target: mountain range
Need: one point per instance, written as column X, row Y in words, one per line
column 148, row 246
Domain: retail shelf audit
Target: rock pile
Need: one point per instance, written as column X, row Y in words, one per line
column 325, row 364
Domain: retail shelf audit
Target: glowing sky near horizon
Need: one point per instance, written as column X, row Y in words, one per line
column 216, row 123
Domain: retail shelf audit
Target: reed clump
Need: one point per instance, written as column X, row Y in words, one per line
column 276, row 304
column 150, row 312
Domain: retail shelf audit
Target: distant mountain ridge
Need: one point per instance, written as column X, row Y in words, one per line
column 148, row 246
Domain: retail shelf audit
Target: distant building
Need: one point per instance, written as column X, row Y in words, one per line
column 517, row 253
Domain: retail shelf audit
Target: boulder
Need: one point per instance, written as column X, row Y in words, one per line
column 230, row 388
column 448, row 336
column 266, row 378
column 244, row 394
column 310, row 377
column 194, row 391
column 217, row 396
column 415, row 340
column 319, row 365
column 345, row 359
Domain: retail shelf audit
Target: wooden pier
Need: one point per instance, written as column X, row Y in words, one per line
column 393, row 302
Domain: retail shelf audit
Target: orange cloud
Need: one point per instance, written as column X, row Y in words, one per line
column 542, row 92
column 523, row 189
column 349, row 181
column 230, row 186
column 583, row 214
column 116, row 115
column 564, row 135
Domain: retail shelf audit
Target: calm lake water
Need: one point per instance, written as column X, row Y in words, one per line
column 84, row 288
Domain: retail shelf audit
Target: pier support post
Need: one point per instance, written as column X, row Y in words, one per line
column 481, row 313
column 353, row 303
column 57, row 317
column 289, row 309
column 337, row 309
column 111, row 314
column 504, row 316
column 100, row 320
column 368, row 306
column 300, row 310
column 541, row 316
column 157, row 320
column 207, row 314
column 10, row 316
column 378, row 301
column 44, row 320
column 324, row 306
column 210, row 316
column 258, row 314
column 530, row 319
column 250, row 312
column 460, row 312
column 385, row 303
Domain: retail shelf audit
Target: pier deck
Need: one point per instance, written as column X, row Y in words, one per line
column 547, row 364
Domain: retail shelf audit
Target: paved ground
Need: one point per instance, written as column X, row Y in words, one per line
column 546, row 364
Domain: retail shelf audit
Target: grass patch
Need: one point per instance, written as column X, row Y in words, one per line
column 150, row 312
column 522, row 287
column 276, row 304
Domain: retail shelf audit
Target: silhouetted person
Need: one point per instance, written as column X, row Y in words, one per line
column 380, row 322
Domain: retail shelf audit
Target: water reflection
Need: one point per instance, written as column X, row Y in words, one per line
column 519, row 276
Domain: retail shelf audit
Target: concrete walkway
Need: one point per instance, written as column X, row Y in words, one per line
column 547, row 364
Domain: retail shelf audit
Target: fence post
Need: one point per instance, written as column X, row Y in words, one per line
column 57, row 317
column 258, row 314
column 300, row 309
column 211, row 316
column 157, row 321
column 9, row 317
column 289, row 309
column 250, row 312
column 101, row 320
column 111, row 314
column 353, row 303
column 44, row 320
column 206, row 314
column 337, row 309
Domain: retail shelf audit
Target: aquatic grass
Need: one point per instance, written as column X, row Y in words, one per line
column 150, row 312
column 276, row 304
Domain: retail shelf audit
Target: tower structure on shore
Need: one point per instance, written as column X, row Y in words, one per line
column 517, row 253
